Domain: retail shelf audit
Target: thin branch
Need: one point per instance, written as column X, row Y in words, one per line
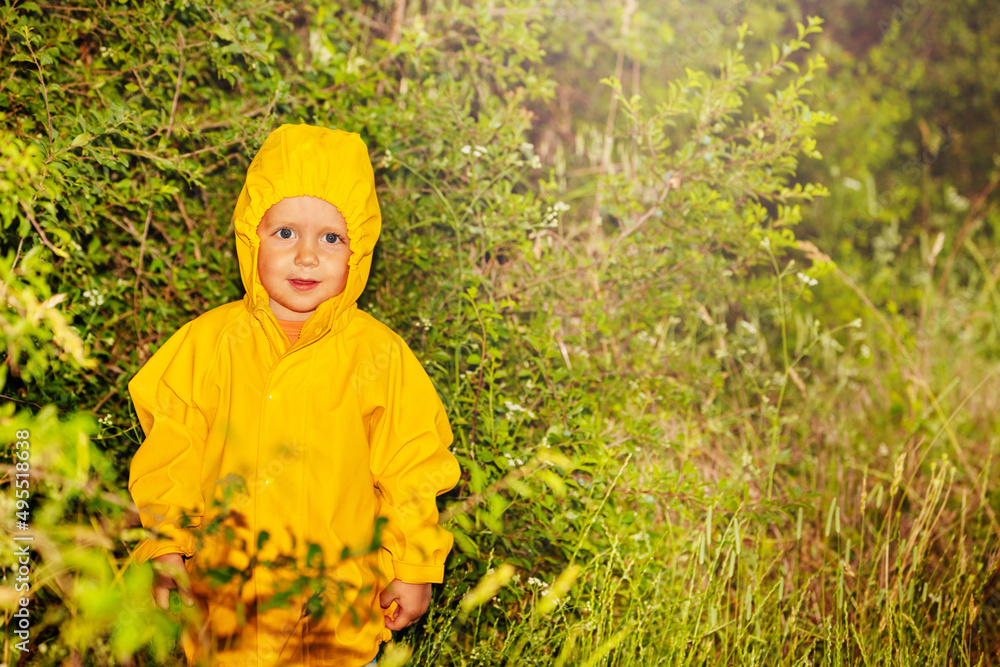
column 100, row 403
column 970, row 219
column 18, row 400
column 398, row 16
column 226, row 123
column 142, row 246
column 188, row 222
column 45, row 94
column 672, row 183
column 17, row 256
column 371, row 23
column 878, row 313
column 38, row 228
column 177, row 86
column 129, row 227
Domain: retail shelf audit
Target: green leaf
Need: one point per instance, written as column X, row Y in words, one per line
column 463, row 542
column 81, row 139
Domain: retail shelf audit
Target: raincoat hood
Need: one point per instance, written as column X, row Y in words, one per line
column 332, row 165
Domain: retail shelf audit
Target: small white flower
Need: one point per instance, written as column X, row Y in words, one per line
column 807, row 280
column 865, row 352
column 479, row 151
column 535, row 162
column 513, row 408
column 749, row 328
column 93, row 297
column 766, row 243
column 851, row 184
column 552, row 213
column 644, row 337
column 528, row 148
column 466, row 149
column 957, row 201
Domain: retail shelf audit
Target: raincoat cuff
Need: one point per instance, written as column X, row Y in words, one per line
column 418, row 574
column 181, row 542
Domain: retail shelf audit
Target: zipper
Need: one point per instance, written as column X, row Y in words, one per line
column 260, row 319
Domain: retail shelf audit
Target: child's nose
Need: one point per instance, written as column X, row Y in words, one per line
column 306, row 255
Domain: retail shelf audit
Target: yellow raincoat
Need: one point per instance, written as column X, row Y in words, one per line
column 329, row 434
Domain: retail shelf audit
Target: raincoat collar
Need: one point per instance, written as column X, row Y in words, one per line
column 332, row 165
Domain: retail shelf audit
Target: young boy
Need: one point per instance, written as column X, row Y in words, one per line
column 322, row 410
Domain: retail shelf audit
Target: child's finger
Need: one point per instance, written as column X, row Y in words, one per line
column 403, row 619
column 387, row 597
column 161, row 595
column 397, row 623
column 391, row 613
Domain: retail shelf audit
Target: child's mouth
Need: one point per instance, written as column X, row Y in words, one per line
column 303, row 285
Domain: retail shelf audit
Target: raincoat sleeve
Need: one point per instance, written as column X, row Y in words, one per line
column 165, row 477
column 411, row 466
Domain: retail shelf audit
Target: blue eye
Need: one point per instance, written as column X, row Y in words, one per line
column 331, row 238
column 285, row 233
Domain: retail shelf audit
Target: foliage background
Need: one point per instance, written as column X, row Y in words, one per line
column 710, row 295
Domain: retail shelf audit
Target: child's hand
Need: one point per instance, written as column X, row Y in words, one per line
column 174, row 576
column 411, row 601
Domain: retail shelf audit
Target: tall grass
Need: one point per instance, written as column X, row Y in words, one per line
column 855, row 528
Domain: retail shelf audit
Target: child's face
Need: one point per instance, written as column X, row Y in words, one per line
column 303, row 255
